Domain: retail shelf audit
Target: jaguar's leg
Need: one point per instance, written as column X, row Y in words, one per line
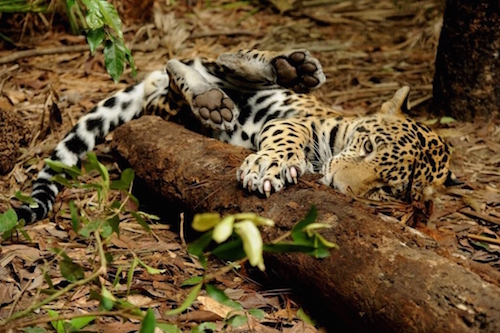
column 295, row 69
column 281, row 157
column 209, row 103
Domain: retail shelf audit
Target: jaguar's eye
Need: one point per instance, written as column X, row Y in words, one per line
column 368, row 146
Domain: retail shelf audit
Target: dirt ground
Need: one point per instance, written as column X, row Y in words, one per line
column 368, row 49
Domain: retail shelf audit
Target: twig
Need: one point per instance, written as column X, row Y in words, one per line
column 484, row 239
column 18, row 297
column 223, row 33
column 484, row 217
column 58, row 50
column 96, row 274
column 45, row 51
column 224, row 270
column 79, row 315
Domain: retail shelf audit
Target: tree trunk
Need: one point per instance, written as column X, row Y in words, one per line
column 467, row 79
column 384, row 278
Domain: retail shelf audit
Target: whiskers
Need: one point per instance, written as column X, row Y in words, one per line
column 321, row 153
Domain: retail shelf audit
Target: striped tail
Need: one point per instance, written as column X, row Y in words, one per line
column 90, row 130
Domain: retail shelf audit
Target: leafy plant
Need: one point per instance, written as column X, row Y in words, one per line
column 234, row 237
column 240, row 240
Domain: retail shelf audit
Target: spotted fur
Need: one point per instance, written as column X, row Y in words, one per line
column 258, row 100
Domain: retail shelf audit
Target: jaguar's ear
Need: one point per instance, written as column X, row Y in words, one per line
column 398, row 104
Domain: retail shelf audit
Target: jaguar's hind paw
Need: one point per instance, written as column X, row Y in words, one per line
column 298, row 71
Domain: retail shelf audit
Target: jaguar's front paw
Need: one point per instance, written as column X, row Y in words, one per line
column 265, row 173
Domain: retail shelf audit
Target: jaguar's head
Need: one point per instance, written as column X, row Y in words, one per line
column 388, row 155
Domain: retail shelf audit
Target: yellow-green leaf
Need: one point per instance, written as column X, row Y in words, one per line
column 252, row 242
column 205, row 221
column 223, row 229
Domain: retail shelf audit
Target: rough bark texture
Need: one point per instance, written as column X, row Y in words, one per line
column 384, row 277
column 467, row 79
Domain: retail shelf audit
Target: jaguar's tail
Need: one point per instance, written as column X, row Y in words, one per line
column 90, row 130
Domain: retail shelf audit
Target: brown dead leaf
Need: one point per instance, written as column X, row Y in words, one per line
column 200, row 316
column 301, row 327
column 253, row 300
column 7, row 293
column 24, row 252
column 211, row 305
column 140, row 301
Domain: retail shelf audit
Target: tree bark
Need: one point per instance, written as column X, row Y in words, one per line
column 467, row 79
column 384, row 278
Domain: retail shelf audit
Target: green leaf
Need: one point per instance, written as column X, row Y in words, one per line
column 302, row 315
column 216, row 293
column 150, row 269
column 60, row 167
column 106, row 230
column 61, row 180
column 141, row 221
column 237, row 321
column 130, row 60
column 130, row 273
column 168, row 328
column 320, row 253
column 26, row 199
column 197, row 247
column 75, row 221
column 70, row 3
column 58, row 324
column 192, row 281
column 187, row 302
column 114, row 57
column 71, row 271
column 47, row 279
column 111, row 17
column 94, row 164
column 23, row 232
column 205, row 221
column 148, row 322
column 447, row 120
column 232, row 250
column 116, row 281
column 297, row 231
column 114, row 223
column 125, row 305
column 109, row 257
column 81, row 322
column 107, row 299
column 95, row 38
column 8, row 220
column 94, row 20
column 233, row 304
column 326, row 243
column 88, row 228
column 125, row 180
column 257, row 313
column 204, row 327
column 60, row 252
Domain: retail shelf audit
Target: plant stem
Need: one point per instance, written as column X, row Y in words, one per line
column 96, row 274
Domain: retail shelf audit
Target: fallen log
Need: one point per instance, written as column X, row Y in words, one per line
column 382, row 279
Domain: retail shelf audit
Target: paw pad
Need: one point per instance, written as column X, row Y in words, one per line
column 215, row 106
column 298, row 71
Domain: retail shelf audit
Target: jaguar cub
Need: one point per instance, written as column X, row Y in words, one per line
column 257, row 99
